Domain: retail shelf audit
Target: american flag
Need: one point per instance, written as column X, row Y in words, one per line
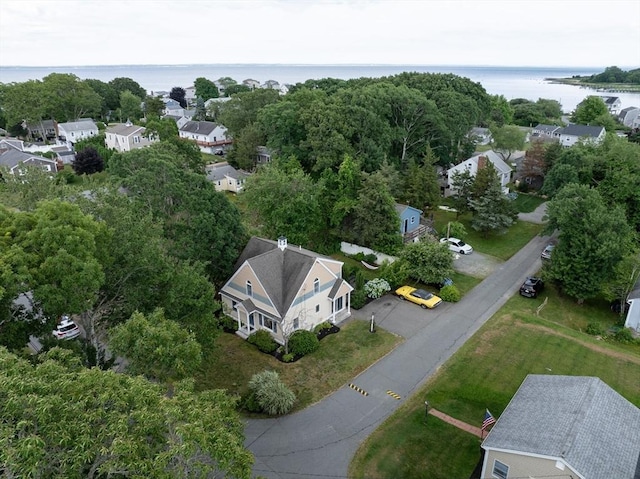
column 488, row 420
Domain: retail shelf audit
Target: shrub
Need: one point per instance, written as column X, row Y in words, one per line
column 624, row 335
column 273, row 396
column 348, row 271
column 287, row 358
column 594, row 328
column 321, row 326
column 360, row 279
column 376, row 288
column 370, row 258
column 358, row 298
column 227, row 323
column 395, row 273
column 450, row 293
column 358, row 256
column 303, row 342
column 263, row 341
column 250, row 403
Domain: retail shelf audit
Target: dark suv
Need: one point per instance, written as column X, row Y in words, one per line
column 531, row 287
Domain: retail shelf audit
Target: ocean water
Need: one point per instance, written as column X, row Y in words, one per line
column 512, row 82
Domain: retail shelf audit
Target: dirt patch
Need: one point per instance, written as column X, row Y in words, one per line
column 476, row 264
column 591, row 346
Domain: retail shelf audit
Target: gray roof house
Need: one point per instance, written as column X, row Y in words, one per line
column 225, row 177
column 13, row 159
column 613, row 104
column 572, row 134
column 564, row 427
column 126, row 137
column 545, row 132
column 629, row 115
column 476, row 162
column 74, row 131
column 281, row 288
column 209, row 136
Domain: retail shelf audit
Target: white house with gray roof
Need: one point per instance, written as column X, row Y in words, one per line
column 613, row 104
column 209, row 136
column 15, row 160
column 476, row 162
column 545, row 132
column 572, row 134
column 282, row 288
column 75, row 131
column 628, row 116
column 225, row 177
column 564, row 427
column 126, row 137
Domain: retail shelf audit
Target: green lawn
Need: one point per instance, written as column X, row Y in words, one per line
column 485, row 373
column 502, row 246
column 339, row 359
column 525, row 203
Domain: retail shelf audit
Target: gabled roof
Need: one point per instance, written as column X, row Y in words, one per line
column 80, row 125
column 629, row 109
column 199, row 127
column 280, row 272
column 494, row 158
column 577, row 419
column 402, row 208
column 221, row 170
column 546, row 128
column 11, row 144
column 582, row 130
column 610, row 100
column 12, row 158
column 125, row 129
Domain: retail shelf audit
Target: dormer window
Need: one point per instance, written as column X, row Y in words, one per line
column 316, row 286
column 249, row 289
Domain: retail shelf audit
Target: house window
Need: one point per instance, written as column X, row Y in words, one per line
column 268, row 323
column 413, row 219
column 252, row 321
column 136, row 139
column 296, row 323
column 249, row 289
column 500, row 470
column 317, row 308
column 234, row 305
column 339, row 304
column 316, row 286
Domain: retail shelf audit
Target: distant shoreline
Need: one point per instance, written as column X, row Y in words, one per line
column 601, row 87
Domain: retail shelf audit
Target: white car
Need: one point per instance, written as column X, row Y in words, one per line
column 66, row 329
column 457, row 245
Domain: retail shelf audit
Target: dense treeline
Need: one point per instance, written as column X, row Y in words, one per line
column 615, row 75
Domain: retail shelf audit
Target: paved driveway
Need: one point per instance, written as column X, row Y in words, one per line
column 321, row 440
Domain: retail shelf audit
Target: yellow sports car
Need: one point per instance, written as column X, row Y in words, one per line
column 419, row 296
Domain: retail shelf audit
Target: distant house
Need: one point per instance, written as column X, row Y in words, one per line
column 613, row 104
column 410, row 227
column 564, row 427
column 15, row 159
column 633, row 312
column 263, row 155
column 209, row 136
column 225, row 177
column 190, row 94
column 172, row 108
column 473, row 164
column 271, row 85
column 75, row 131
column 42, row 130
column 629, row 115
column 180, row 120
column 126, row 137
column 251, row 83
column 481, row 136
column 572, row 134
column 545, row 132
column 281, row 288
column 64, row 155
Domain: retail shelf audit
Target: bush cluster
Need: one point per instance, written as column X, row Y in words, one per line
column 227, row 323
column 376, row 288
column 303, row 342
column 263, row 340
column 594, row 328
column 322, row 326
column 358, row 298
column 270, row 393
column 450, row 294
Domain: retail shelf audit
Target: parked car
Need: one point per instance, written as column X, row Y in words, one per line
column 531, row 287
column 546, row 252
column 457, row 245
column 66, row 329
column 419, row 296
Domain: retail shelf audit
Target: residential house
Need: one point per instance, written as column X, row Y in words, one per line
column 572, row 134
column 629, row 115
column 545, row 132
column 481, row 136
column 633, row 311
column 172, row 108
column 65, row 155
column 14, row 158
column 564, row 427
column 263, row 155
column 476, row 162
column 190, row 94
column 225, row 177
column 613, row 104
column 127, row 137
column 281, row 288
column 45, row 130
column 180, row 120
column 209, row 136
column 410, row 227
column 75, row 131
column 251, row 83
column 271, row 85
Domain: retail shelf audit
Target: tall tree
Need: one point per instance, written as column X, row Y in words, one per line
column 67, row 98
column 18, row 104
column 87, row 162
column 428, row 261
column 178, row 94
column 376, row 223
column 153, row 108
column 534, row 165
column 501, row 110
column 130, row 106
column 121, row 84
column 462, row 191
column 205, row 89
column 110, row 98
column 588, row 110
column 493, row 211
column 61, row 420
column 507, row 140
column 593, row 239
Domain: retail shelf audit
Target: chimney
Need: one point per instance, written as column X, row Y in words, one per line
column 282, row 243
column 482, row 162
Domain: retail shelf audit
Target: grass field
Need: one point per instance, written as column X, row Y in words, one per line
column 527, row 203
column 340, row 357
column 502, row 246
column 485, row 373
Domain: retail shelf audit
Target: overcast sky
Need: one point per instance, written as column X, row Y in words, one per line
column 572, row 33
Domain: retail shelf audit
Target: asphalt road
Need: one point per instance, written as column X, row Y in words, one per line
column 321, row 440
